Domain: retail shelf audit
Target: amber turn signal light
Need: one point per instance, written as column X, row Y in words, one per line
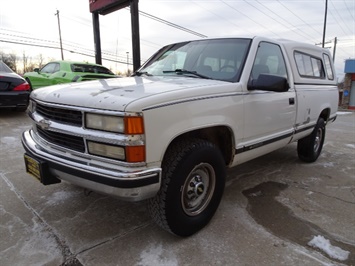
column 135, row 154
column 134, row 125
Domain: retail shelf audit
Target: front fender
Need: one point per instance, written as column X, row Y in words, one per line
column 167, row 122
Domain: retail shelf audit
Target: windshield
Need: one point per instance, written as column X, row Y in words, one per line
column 221, row 59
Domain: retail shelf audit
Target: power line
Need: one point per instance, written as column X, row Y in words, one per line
column 221, row 17
column 341, row 19
column 172, row 24
column 347, row 8
column 29, row 44
column 58, row 48
column 163, row 21
column 256, row 22
column 89, row 25
column 37, row 39
column 25, row 39
column 277, row 15
column 293, row 13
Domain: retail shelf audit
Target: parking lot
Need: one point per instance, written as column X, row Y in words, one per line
column 274, row 211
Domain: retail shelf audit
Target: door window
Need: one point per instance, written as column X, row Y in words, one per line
column 50, row 68
column 269, row 60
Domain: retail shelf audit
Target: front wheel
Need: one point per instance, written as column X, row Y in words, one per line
column 192, row 187
column 310, row 147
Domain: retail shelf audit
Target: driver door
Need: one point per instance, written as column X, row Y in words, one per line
column 269, row 116
column 44, row 75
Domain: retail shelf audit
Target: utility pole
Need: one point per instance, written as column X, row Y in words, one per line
column 325, row 21
column 60, row 34
column 334, row 48
column 127, row 61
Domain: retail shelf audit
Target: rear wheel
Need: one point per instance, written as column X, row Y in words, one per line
column 310, row 147
column 192, row 187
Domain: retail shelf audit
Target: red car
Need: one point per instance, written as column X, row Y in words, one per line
column 14, row 90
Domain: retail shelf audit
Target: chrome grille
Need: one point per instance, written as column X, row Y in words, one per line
column 63, row 140
column 60, row 115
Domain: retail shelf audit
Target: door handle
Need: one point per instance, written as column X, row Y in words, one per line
column 291, row 101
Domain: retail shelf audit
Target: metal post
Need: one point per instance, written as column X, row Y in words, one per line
column 135, row 35
column 60, row 34
column 97, row 41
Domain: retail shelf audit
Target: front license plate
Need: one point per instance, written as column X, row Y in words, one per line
column 33, row 167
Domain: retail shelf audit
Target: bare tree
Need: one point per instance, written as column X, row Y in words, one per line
column 13, row 60
column 51, row 59
column 30, row 66
column 40, row 61
column 2, row 56
column 128, row 73
column 10, row 60
column 24, row 60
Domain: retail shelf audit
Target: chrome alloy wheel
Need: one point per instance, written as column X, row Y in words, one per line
column 198, row 189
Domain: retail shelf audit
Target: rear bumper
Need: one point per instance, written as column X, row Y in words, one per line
column 133, row 185
column 16, row 99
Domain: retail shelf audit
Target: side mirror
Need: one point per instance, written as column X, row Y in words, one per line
column 267, row 82
column 36, row 70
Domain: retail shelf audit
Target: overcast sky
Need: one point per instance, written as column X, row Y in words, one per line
column 34, row 22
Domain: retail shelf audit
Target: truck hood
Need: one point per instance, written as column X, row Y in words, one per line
column 117, row 93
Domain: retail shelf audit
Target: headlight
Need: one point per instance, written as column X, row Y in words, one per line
column 128, row 125
column 105, row 122
column 31, row 106
column 105, row 150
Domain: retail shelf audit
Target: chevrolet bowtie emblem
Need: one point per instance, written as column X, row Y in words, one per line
column 44, row 124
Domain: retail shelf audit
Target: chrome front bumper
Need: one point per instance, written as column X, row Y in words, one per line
column 128, row 184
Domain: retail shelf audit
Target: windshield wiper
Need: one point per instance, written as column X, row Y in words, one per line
column 138, row 73
column 184, row 71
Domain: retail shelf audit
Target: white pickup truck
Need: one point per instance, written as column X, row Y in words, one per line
column 169, row 132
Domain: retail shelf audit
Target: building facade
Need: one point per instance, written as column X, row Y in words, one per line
column 347, row 93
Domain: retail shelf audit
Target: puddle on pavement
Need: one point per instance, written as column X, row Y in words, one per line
column 280, row 221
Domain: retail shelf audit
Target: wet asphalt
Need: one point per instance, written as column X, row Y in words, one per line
column 272, row 207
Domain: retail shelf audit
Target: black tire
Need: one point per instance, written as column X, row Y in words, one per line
column 310, row 147
column 193, row 180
